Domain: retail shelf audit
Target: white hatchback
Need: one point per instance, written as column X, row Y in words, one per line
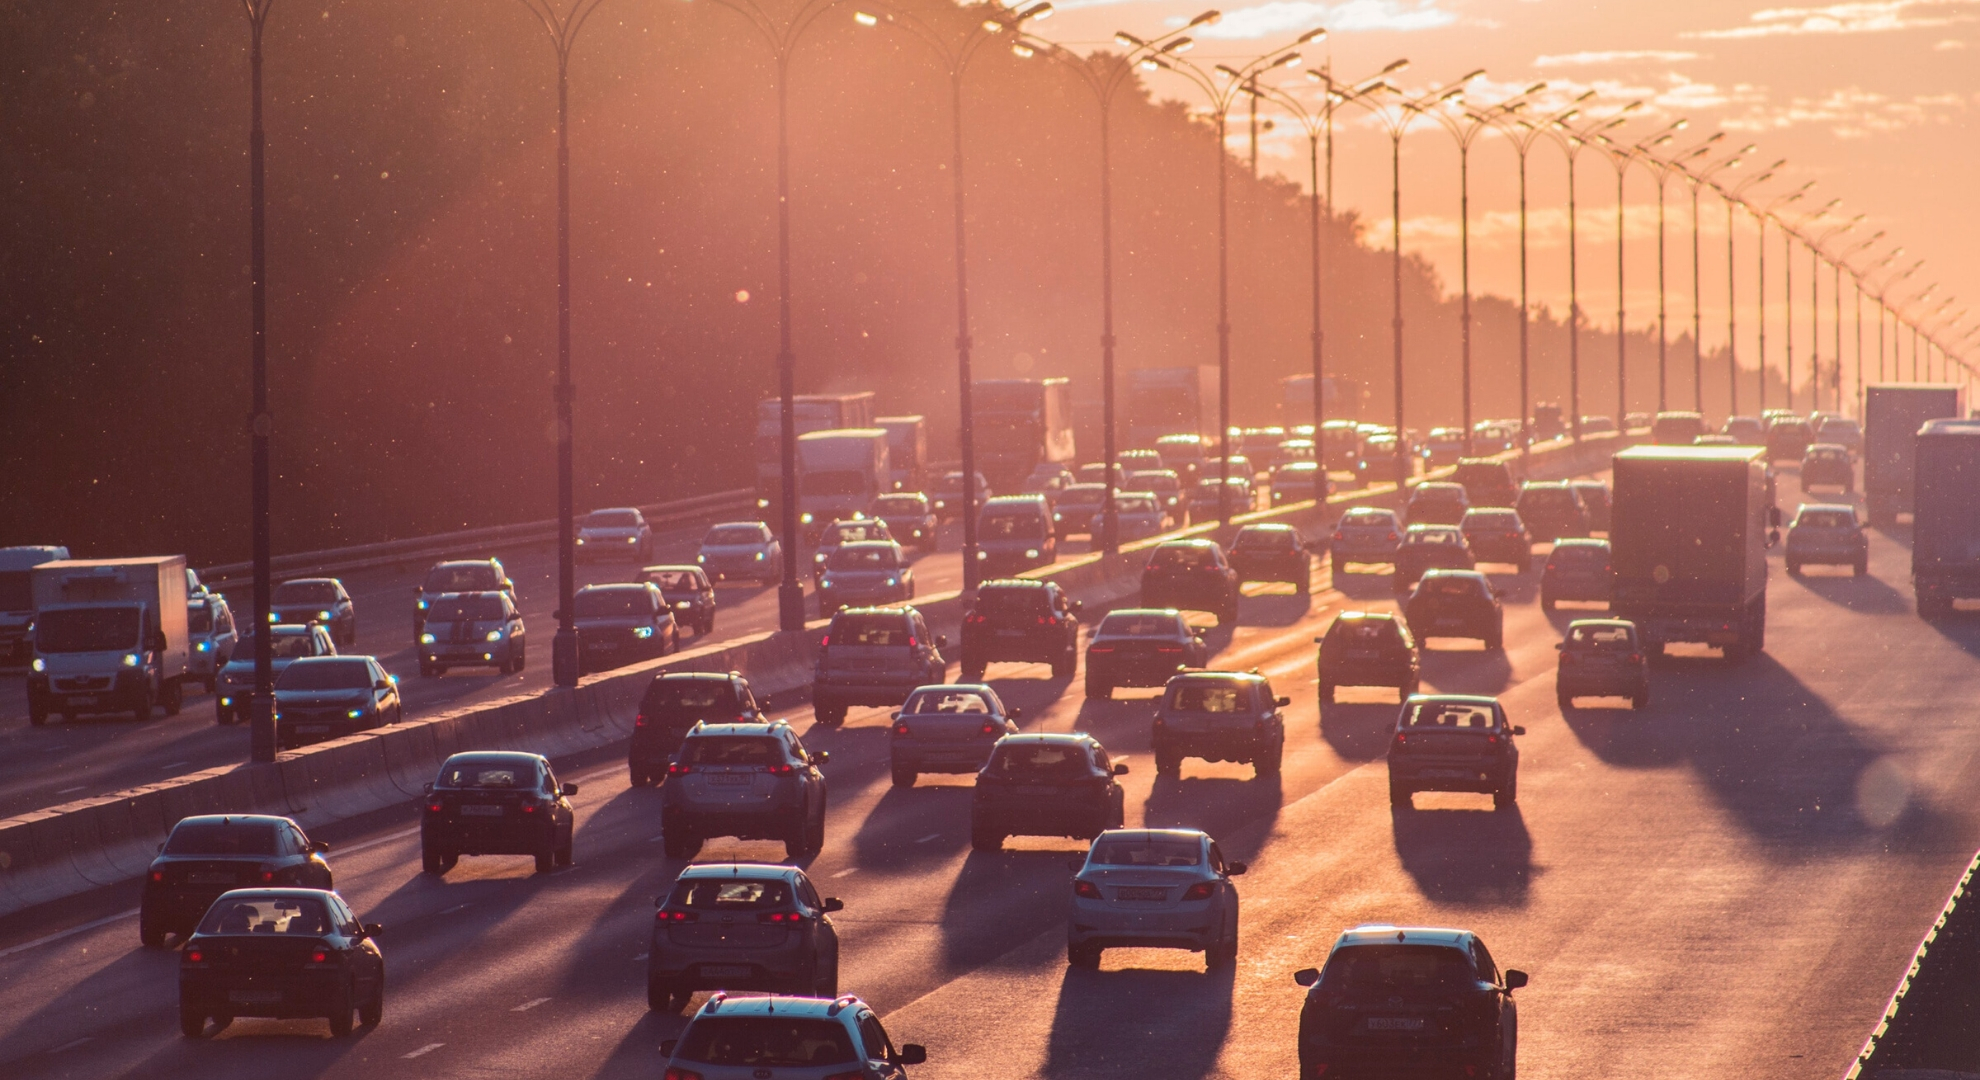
column 1154, row 888
column 787, row 1038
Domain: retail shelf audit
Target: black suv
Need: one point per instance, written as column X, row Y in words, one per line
column 1486, row 482
column 1456, row 603
column 1552, row 511
column 496, row 803
column 1827, row 465
column 1437, row 503
column 1272, row 553
column 1367, row 648
column 1191, row 575
column 1220, row 716
column 1454, row 742
column 910, row 517
column 623, row 624
column 749, row 781
column 874, row 656
column 211, row 854
column 674, row 702
column 1431, row 547
column 1424, row 1000
column 1045, row 785
column 1022, row 621
column 1141, row 647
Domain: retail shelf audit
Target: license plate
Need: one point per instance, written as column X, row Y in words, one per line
column 1450, row 622
column 1140, row 892
column 1447, row 774
column 725, row 971
column 600, row 646
column 312, row 729
column 478, row 810
column 1363, row 654
column 210, row 879
column 1395, row 1023
column 85, row 699
column 254, row 997
column 729, row 779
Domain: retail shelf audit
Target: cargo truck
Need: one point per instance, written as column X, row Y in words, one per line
column 907, row 450
column 1020, row 425
column 809, row 412
column 1892, row 415
column 1945, row 528
column 1689, row 530
column 840, row 473
column 17, row 598
column 109, row 637
column 1170, row 401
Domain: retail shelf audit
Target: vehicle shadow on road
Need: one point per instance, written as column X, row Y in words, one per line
column 1466, row 856
column 1366, row 586
column 1630, row 738
column 1358, row 731
column 980, row 920
column 1864, row 595
column 1899, row 534
column 1137, row 1023
column 1274, row 609
column 895, row 834
column 1220, row 806
column 1467, row 671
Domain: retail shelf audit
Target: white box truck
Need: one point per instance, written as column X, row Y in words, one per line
column 840, row 473
column 109, row 637
column 907, row 450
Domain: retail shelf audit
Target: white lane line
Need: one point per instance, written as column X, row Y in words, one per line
column 528, row 1005
column 657, row 839
column 930, row 836
column 69, row 933
column 641, row 956
column 66, row 790
column 377, row 840
column 847, row 872
column 175, row 765
column 72, row 1045
column 453, row 909
column 427, row 1049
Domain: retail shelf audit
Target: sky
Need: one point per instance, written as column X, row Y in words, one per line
column 1871, row 100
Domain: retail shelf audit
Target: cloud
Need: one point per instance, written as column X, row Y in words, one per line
column 1850, row 113
column 1949, row 45
column 1855, row 17
column 1619, row 56
column 1292, row 16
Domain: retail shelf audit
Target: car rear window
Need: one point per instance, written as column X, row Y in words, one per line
column 199, row 620
column 1450, row 586
column 1577, row 554
column 1449, row 714
column 730, row 894
column 1433, row 536
column 201, row 838
column 732, row 750
column 947, row 702
column 1268, row 539
column 899, row 504
column 1186, row 556
column 285, row 645
column 1608, row 636
column 1040, row 759
column 1011, row 601
column 304, row 592
column 846, row 534
column 478, row 577
column 768, row 1042
column 674, row 580
column 871, row 630
column 611, row 519
column 1825, row 519
column 1017, row 525
column 613, row 603
column 1363, row 631
column 1126, row 852
column 299, row 915
column 689, row 696
column 464, row 609
column 863, row 558
column 1154, row 626
column 503, row 776
column 733, row 536
column 1155, row 481
column 1491, row 519
column 1546, row 499
column 325, row 675
column 1208, row 697
column 1379, row 968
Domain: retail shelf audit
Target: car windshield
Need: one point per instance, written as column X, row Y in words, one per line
column 1207, row 697
column 1433, row 536
column 1187, row 556
column 1449, row 714
column 1040, row 759
column 1491, row 519
column 733, row 536
column 902, row 505
column 1547, row 499
column 947, row 702
column 1162, row 482
column 1826, row 519
column 690, row 696
column 1082, row 495
column 732, row 750
column 675, row 580
column 1126, row 852
column 849, row 534
column 305, row 592
column 1381, row 969
column 729, row 894
column 1363, row 631
column 864, row 557
column 953, row 482
column 221, row 838
column 871, row 630
column 501, row 775
column 1427, row 496
column 199, row 619
column 474, row 577
column 1450, row 586
column 765, row 1042
column 1613, row 637
column 85, row 629
column 1122, row 624
column 1011, row 527
column 612, row 603
column 465, row 609
column 325, row 674
column 611, row 519
column 1368, row 519
column 1268, row 539
column 299, row 915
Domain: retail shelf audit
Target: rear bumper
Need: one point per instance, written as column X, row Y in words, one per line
column 1343, row 674
column 986, row 647
column 843, row 690
column 940, row 757
column 495, row 838
column 1217, row 745
column 772, row 969
column 1483, row 777
column 297, row 994
column 1135, row 672
column 178, row 908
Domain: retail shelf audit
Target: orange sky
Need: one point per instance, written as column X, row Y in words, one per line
column 1869, row 99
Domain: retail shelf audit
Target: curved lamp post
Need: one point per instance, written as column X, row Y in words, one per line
column 1787, row 285
column 1620, row 157
column 1663, row 168
column 1761, row 214
column 1572, row 141
column 1841, row 264
column 1862, row 277
column 1696, row 178
column 1882, row 296
column 1817, row 254
column 1731, row 197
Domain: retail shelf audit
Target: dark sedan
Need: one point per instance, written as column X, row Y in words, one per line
column 1141, row 647
column 284, row 953
column 1045, row 785
column 1363, row 648
column 329, row 697
column 496, row 803
column 1828, row 465
column 1272, row 553
column 623, row 624
column 1497, row 535
column 1576, row 570
column 308, row 600
column 1453, row 742
column 1456, row 603
column 1192, row 575
column 208, row 855
column 1437, row 503
column 910, row 517
column 1430, row 547
column 1552, row 510
column 688, row 593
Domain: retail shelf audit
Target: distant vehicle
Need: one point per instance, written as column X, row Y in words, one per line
column 1048, row 480
column 1444, row 446
column 1454, row 742
column 1456, row 603
column 1437, row 503
column 17, row 598
column 1552, row 510
column 109, row 636
column 1168, row 401
column 741, row 551
column 472, row 630
column 851, row 531
column 1076, row 509
column 1367, row 649
column 208, row 855
column 318, row 698
column 496, row 802
column 909, row 517
column 1602, row 658
column 947, row 729
column 1715, row 440
column 1096, row 473
column 1577, row 570
column 1338, row 397
column 907, row 450
column 1134, row 461
column 1206, row 505
column 1548, row 423
column 809, row 413
column 948, row 495
column 840, row 473
column 1273, row 552
column 787, row 945
column 1413, row 995
column 1015, row 533
column 1495, row 534
column 1138, row 515
column 1184, row 454
column 1690, row 532
column 1297, row 481
column 459, row 576
column 1595, row 500
column 1676, row 428
column 1945, row 531
column 1827, row 534
column 1154, row 888
column 736, row 1037
column 1486, row 482
column 1598, row 425
column 1842, row 431
column 746, row 780
column 210, row 623
column 307, row 942
column 1636, row 421
column 874, row 656
column 1745, row 430
column 1788, row 438
column 1020, row 425
column 1141, row 647
column 288, row 642
column 1430, row 547
column 1241, row 468
column 1341, row 443
column 688, row 592
column 1892, row 417
column 623, row 624
column 1365, row 534
column 1219, row 716
column 1045, row 785
column 308, row 600
column 1165, row 485
column 1191, row 575
column 617, row 533
column 674, row 702
column 865, row 573
column 1016, row 620
column 1828, row 465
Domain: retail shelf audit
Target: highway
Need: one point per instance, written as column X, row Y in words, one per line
column 1727, row 884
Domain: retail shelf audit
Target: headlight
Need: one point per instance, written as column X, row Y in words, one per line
column 893, row 581
column 642, row 632
column 580, row 541
column 681, row 605
column 762, row 504
column 704, row 558
column 354, row 713
column 632, row 539
column 982, row 554
column 805, row 517
column 1030, row 553
column 40, row 664
column 324, row 615
column 826, row 584
column 130, row 659
column 759, row 556
column 426, row 639
column 422, row 605
column 204, row 646
column 818, row 557
column 494, row 635
column 227, row 701
column 1056, row 516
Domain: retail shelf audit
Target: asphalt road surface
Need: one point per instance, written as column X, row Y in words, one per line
column 1727, row 884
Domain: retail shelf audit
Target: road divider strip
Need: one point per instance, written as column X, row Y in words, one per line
column 1927, row 1028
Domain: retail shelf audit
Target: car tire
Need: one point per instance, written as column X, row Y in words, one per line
column 1793, row 568
column 1326, row 693
column 37, row 714
column 141, row 708
column 371, row 1012
column 1399, row 796
column 192, row 1022
column 432, row 861
column 797, row 840
column 1565, row 701
column 1063, row 667
column 1100, row 690
column 1219, row 957
column 1862, row 567
column 546, row 858
column 639, row 778
column 1507, row 797
column 829, row 715
column 828, row 986
column 681, row 847
column 150, row 934
column 1546, row 603
column 340, row 1012
column 985, row 840
column 662, row 995
column 566, row 854
column 904, row 777
column 1084, row 957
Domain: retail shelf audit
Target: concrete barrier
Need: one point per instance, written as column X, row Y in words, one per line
column 1927, row 1029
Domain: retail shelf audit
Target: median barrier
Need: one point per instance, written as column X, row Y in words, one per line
column 1928, row 1029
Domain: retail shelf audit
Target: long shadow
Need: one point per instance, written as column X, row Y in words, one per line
column 1475, row 857
column 1121, row 726
column 888, row 840
column 1625, row 737
column 1464, row 671
column 1274, row 609
column 1365, row 586
column 1224, row 807
column 1864, row 595
column 1899, row 533
column 1139, row 1023
column 1358, row 731
column 1002, row 898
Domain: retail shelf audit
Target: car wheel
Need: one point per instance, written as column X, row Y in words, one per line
column 664, row 996
column 1399, row 796
column 1326, row 693
column 1219, row 957
column 150, row 934
column 1565, row 701
column 1097, row 689
column 371, row 1012
column 38, row 714
column 639, row 778
column 1862, row 567
column 828, row 985
column 432, row 861
column 1506, row 797
column 1062, row 668
column 340, row 1012
column 565, row 853
column 1167, row 762
column 681, row 847
column 985, row 840
column 1086, row 957
column 192, row 1022
column 1793, row 568
column 797, row 840
column 546, row 858
column 141, row 708
column 904, row 777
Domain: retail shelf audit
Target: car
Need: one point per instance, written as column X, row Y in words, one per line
column 1827, row 534
column 1022, row 621
column 1166, row 486
column 1272, row 552
column 1141, row 647
column 1260, row 444
column 947, row 729
column 617, row 533
column 1154, row 889
column 1456, row 603
column 1580, row 570
column 1841, row 431
column 1298, row 481
column 1288, row 452
column 1192, row 575
column 1745, row 430
column 1423, row 999
column 1485, row 482
column 1241, row 468
column 1365, row 534
column 1788, row 438
column 1454, row 742
column 1715, row 440
column 741, row 551
column 688, row 593
column 328, row 697
column 1636, row 421
column 1135, row 461
column 1367, row 648
column 210, row 624
column 1597, row 425
column 874, row 656
column 1444, row 446
column 793, row 1037
column 1183, row 453
column 1139, row 515
column 459, row 576
column 1436, row 503
column 286, row 641
column 283, row 953
column 1828, row 465
column 1552, row 510
column 844, row 532
column 1015, row 533
column 909, row 517
column 622, row 624
column 1602, row 658
column 1430, row 547
column 948, row 495
column 496, row 802
column 1045, row 785
column 1096, row 473
column 785, row 943
column 865, row 573
column 308, row 600
column 1074, row 510
column 210, row 854
column 472, row 629
column 1495, row 534
column 1342, row 441
column 1595, row 500
column 1219, row 716
column 752, row 781
column 674, row 702
column 1676, row 428
column 1048, row 478
column 1206, row 505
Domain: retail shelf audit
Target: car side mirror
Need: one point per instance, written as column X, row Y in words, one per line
column 1233, row 869
column 1560, row 646
column 1515, row 979
column 1120, row 770
column 1016, row 712
column 1078, row 607
column 1282, row 702
column 319, row 847
column 568, row 790
column 1773, row 537
column 895, row 715
column 1518, row 730
column 912, row 1054
column 373, row 929
column 941, row 641
column 667, row 1046
column 1306, row 976
column 822, row 757
column 833, row 903
column 428, row 789
column 382, row 684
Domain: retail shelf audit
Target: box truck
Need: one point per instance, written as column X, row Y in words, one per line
column 809, row 412
column 109, row 637
column 1892, row 415
column 1020, row 425
column 1945, row 525
column 907, row 450
column 1170, row 401
column 840, row 473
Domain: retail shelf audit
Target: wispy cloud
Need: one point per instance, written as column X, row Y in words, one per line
column 1851, row 113
column 1616, row 56
column 1858, row 17
column 1292, row 16
column 1950, row 45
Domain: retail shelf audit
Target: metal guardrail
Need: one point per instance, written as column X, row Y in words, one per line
column 470, row 541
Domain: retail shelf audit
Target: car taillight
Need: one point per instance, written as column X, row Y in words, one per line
column 1492, row 739
column 1636, row 658
column 1202, row 890
column 901, row 728
column 1091, row 649
column 158, row 875
column 1339, row 535
column 977, row 620
column 1402, row 738
column 1567, row 657
column 267, row 876
column 1087, row 889
column 1168, row 648
column 1392, row 536
column 783, row 917
column 822, row 642
column 319, row 957
column 676, row 768
column 529, row 808
column 667, row 916
column 1044, row 620
column 195, row 957
column 779, row 769
column 911, row 642
column 1149, row 569
column 639, row 721
column 675, row 1072
column 989, row 728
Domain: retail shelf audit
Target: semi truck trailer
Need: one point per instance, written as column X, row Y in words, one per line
column 1892, row 415
column 1945, row 524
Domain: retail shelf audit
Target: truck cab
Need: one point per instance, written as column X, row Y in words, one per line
column 840, row 473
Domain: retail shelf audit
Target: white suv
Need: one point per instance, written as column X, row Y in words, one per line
column 742, row 1038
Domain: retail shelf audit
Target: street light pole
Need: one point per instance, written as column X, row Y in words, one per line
column 1620, row 157
column 1522, row 134
column 1760, row 216
column 1817, row 254
column 1696, row 179
column 261, row 706
column 1571, row 142
column 1663, row 169
column 1731, row 197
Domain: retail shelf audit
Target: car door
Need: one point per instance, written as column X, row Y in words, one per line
column 1227, row 897
column 813, row 780
column 319, row 641
column 383, row 695
column 561, row 811
column 878, row 1049
column 825, row 942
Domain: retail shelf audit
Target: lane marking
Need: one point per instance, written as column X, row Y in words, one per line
column 66, row 790
column 930, row 836
column 657, row 839
column 427, row 1049
column 69, row 933
column 528, row 1005
column 377, row 840
column 848, row 871
column 72, row 1045
column 641, row 956
column 453, row 909
column 176, row 765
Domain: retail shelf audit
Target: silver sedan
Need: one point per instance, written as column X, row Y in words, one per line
column 1154, row 888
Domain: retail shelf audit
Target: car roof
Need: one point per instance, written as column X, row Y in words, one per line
column 1050, row 738
column 233, row 819
column 1028, row 501
column 1532, row 484
column 701, row 871
column 1439, row 487
column 280, row 893
column 1453, row 699
column 972, row 686
column 311, row 581
column 1843, row 507
column 324, row 661
column 1011, row 583
column 474, row 592
column 1191, row 542
column 1217, row 676
column 869, row 545
column 1580, row 541
column 695, row 676
column 464, row 562
column 1426, row 527
column 495, row 757
column 1136, row 611
column 1365, row 616
column 669, row 568
column 1268, row 526
column 617, row 586
column 615, row 510
column 725, row 1004
column 765, row 728
column 902, row 610
column 1828, row 447
column 1153, row 834
column 1602, row 623
column 1386, row 934
column 1447, row 572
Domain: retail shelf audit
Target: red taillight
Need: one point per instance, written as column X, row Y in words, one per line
column 782, row 917
column 158, row 875
column 267, row 876
column 1636, row 658
column 780, row 769
column 677, row 1073
column 911, row 642
column 434, row 808
column 1202, row 890
column 1339, row 535
column 901, row 728
column 1492, row 739
column 1044, row 620
column 989, row 728
column 319, row 957
column 676, row 768
column 1091, row 649
column 1402, row 738
column 1168, row 648
column 195, row 957
column 1087, row 889
column 1392, row 536
column 977, row 620
column 1512, row 536
column 822, row 642
column 1567, row 658
column 529, row 808
column 1149, row 569
column 665, row 916
column 640, row 720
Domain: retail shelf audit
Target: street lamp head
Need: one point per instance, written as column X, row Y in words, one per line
column 1206, row 19
column 1022, row 51
column 1127, row 40
column 1226, row 71
column 864, row 18
column 1178, row 46
column 1475, row 73
column 1532, row 90
column 1394, row 66
column 1035, row 13
column 1316, row 34
column 1286, row 61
